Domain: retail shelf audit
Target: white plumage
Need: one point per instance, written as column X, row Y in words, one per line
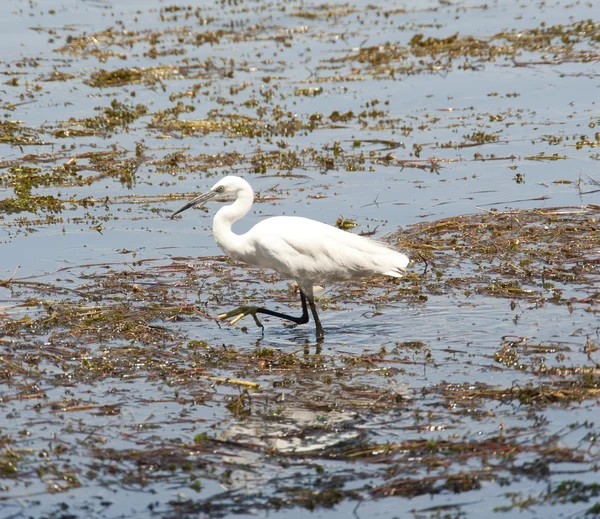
column 313, row 252
column 305, row 250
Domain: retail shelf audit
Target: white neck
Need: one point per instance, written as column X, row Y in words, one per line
column 229, row 242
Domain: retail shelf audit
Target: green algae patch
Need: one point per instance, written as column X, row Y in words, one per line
column 23, row 180
column 131, row 76
column 113, row 78
column 15, row 134
column 232, row 125
column 77, row 171
column 117, row 115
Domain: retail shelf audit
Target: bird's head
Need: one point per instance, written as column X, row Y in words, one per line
column 230, row 186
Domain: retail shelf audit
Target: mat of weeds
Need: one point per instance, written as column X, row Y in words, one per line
column 121, row 385
column 466, row 134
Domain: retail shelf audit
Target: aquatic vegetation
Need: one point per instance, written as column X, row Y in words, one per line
column 465, row 134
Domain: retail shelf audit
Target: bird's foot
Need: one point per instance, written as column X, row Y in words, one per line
column 240, row 313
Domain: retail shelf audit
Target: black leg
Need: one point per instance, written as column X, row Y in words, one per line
column 313, row 309
column 243, row 311
column 303, row 319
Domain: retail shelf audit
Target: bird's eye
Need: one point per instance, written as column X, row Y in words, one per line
column 220, row 189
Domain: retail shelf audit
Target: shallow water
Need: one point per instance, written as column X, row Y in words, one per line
column 117, row 397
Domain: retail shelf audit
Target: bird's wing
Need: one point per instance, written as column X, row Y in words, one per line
column 310, row 250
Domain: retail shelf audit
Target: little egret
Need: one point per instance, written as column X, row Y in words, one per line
column 307, row 251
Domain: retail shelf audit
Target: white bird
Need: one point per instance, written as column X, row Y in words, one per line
column 307, row 251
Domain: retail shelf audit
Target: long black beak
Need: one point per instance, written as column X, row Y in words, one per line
column 204, row 197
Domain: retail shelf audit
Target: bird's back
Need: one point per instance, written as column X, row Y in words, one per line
column 313, row 252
